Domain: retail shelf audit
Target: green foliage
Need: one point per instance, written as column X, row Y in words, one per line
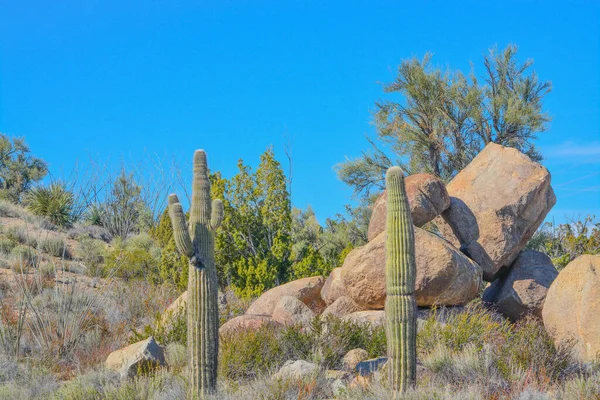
column 166, row 328
column 53, row 202
column 6, row 245
column 248, row 354
column 445, row 118
column 123, row 207
column 132, row 259
column 55, row 246
column 18, row 168
column 91, row 252
column 253, row 245
column 565, row 242
column 173, row 265
column 25, row 255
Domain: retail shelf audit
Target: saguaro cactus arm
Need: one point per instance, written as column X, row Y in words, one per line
column 180, row 230
column 216, row 217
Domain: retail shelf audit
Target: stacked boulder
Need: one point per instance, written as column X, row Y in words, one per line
column 485, row 217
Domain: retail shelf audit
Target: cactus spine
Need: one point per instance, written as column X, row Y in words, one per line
column 400, row 273
column 197, row 242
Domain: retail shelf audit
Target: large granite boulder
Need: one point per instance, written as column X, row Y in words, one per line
column 307, row 290
column 427, row 197
column 291, row 311
column 140, row 357
column 497, row 203
column 524, row 289
column 444, row 275
column 246, row 323
column 571, row 311
column 333, row 287
column 342, row 306
column 372, row 318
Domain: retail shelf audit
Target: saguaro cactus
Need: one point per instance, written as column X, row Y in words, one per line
column 197, row 242
column 400, row 272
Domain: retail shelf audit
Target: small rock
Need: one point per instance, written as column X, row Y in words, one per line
column 368, row 367
column 140, row 357
column 353, row 357
column 298, row 370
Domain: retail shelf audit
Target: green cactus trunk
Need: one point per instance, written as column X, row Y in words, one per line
column 400, row 273
column 197, row 243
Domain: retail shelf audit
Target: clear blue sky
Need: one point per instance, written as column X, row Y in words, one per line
column 112, row 79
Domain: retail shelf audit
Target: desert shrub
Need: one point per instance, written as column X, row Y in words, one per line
column 79, row 232
column 166, row 329
column 91, row 252
column 55, row 246
column 47, row 270
column 10, row 210
column 21, row 235
column 6, row 245
column 176, row 355
column 54, row 202
column 93, row 215
column 25, row 255
column 250, row 354
column 130, row 261
column 18, row 168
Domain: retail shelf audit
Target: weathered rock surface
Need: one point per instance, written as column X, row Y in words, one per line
column 341, row 307
column 524, row 289
column 572, row 307
column 245, row 323
column 175, row 309
column 444, row 275
column 373, row 318
column 296, row 371
column 427, row 197
column 140, row 357
column 353, row 357
column 333, row 287
column 291, row 311
column 497, row 203
column 307, row 290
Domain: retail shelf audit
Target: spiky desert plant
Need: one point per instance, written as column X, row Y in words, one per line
column 400, row 273
column 196, row 241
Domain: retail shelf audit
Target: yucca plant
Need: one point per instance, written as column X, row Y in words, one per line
column 53, row 202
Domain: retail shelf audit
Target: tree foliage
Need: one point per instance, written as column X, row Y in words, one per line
column 18, row 168
column 253, row 244
column 565, row 242
column 445, row 118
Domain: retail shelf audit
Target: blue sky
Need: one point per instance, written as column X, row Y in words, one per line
column 106, row 80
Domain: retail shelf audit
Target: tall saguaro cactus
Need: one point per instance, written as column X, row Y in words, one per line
column 197, row 242
column 400, row 274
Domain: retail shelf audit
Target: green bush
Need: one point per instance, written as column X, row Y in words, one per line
column 173, row 265
column 55, row 246
column 20, row 235
column 54, row 202
column 91, row 252
column 6, row 245
column 25, row 255
column 132, row 259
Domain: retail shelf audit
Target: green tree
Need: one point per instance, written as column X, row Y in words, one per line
column 173, row 265
column 446, row 118
column 18, row 168
column 253, row 244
